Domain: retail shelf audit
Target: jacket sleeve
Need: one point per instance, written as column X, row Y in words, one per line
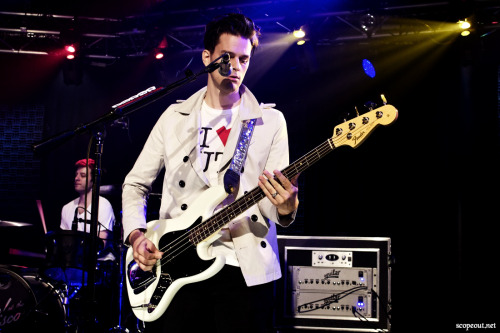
column 139, row 180
column 278, row 159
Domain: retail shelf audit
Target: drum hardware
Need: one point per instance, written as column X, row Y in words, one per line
column 122, row 250
column 63, row 278
column 29, row 302
column 67, row 254
column 67, row 264
column 65, row 270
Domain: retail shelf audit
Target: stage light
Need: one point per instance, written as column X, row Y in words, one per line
column 464, row 24
column 70, row 48
column 70, row 51
column 368, row 68
column 367, row 23
column 299, row 33
column 301, row 42
column 159, row 55
column 162, row 46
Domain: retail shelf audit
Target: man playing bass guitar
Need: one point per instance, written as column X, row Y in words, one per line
column 196, row 142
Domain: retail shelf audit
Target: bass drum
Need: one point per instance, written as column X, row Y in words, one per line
column 29, row 304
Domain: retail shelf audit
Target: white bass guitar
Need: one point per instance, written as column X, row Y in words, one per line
column 185, row 239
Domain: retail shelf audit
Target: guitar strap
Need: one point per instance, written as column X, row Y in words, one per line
column 232, row 175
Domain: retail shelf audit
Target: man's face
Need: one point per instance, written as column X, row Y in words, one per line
column 80, row 178
column 239, row 49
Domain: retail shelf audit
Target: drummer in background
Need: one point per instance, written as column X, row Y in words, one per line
column 75, row 214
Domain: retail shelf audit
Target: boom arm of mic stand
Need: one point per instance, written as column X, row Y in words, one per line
column 125, row 108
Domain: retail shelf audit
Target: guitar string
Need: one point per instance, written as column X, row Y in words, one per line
column 199, row 233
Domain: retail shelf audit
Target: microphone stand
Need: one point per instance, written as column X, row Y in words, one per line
column 119, row 110
column 127, row 107
column 90, row 303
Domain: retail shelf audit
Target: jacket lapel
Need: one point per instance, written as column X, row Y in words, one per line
column 187, row 131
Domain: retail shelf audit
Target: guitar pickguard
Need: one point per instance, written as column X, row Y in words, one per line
column 139, row 280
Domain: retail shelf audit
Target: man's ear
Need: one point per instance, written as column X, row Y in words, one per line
column 205, row 57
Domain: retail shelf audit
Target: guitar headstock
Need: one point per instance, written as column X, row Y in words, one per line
column 354, row 131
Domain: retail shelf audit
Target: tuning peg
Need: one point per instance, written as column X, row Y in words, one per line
column 344, row 116
column 384, row 100
column 370, row 105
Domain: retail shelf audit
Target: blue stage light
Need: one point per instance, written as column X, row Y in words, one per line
column 368, row 68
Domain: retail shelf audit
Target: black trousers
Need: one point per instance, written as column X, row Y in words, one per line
column 221, row 304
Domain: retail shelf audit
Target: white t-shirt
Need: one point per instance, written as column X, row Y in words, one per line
column 215, row 126
column 214, row 130
column 106, row 216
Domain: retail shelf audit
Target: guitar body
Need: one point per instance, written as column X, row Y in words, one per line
column 150, row 291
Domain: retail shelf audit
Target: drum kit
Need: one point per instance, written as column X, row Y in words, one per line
column 55, row 296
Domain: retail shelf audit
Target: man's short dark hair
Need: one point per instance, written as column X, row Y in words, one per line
column 234, row 24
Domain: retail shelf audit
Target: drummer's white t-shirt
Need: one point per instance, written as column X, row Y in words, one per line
column 106, row 216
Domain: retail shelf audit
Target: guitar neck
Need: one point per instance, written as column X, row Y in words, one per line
column 308, row 159
column 217, row 221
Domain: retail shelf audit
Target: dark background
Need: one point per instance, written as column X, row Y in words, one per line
column 429, row 181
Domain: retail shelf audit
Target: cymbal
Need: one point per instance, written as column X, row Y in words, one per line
column 14, row 224
column 110, row 189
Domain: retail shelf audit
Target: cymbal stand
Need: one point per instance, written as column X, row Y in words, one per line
column 122, row 251
column 90, row 313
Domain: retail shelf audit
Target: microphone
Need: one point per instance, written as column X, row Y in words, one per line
column 225, row 68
